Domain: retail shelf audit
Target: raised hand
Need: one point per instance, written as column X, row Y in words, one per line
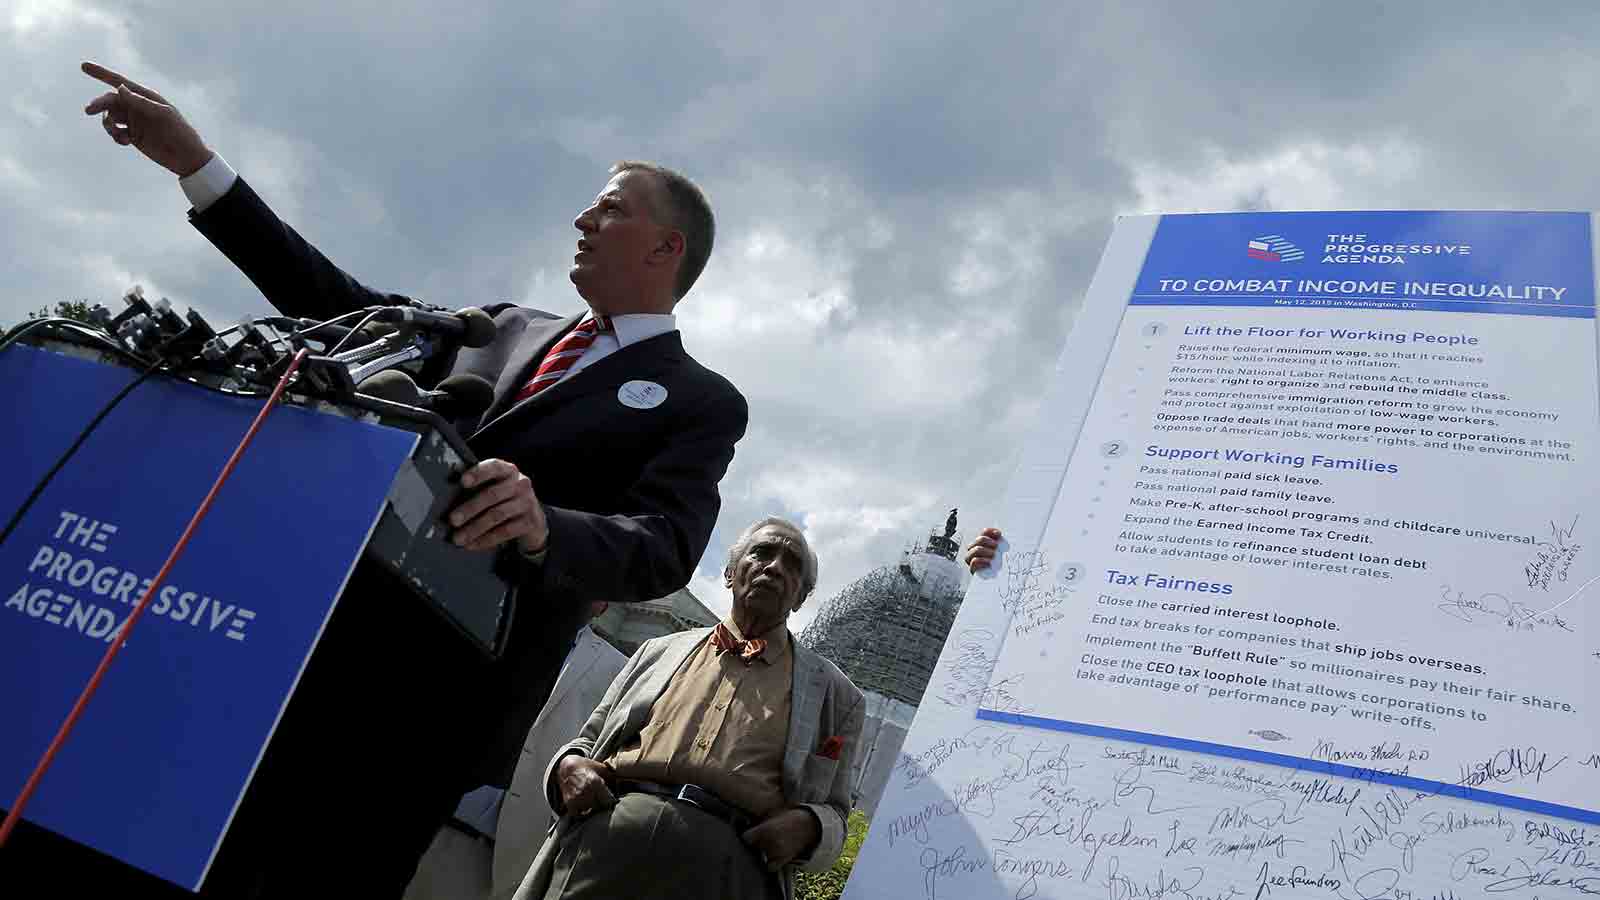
column 980, row 553
column 132, row 114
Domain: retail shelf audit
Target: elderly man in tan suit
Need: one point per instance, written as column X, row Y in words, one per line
column 718, row 760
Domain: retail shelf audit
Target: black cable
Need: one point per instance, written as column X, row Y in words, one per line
column 65, row 457
column 22, row 328
column 102, row 338
column 364, row 311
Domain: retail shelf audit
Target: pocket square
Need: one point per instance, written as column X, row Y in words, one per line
column 832, row 747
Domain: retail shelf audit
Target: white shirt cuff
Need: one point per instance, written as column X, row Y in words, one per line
column 206, row 186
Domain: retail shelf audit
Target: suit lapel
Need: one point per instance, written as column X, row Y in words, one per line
column 578, row 664
column 536, row 340
column 805, row 707
column 647, row 359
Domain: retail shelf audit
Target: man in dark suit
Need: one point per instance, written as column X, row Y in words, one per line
column 601, row 458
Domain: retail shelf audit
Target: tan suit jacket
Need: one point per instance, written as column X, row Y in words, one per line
column 823, row 703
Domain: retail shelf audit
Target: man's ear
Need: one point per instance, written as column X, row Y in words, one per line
column 669, row 248
column 727, row 577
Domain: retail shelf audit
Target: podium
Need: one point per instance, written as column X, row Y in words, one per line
column 255, row 613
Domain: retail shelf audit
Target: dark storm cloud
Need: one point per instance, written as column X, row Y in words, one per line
column 911, row 200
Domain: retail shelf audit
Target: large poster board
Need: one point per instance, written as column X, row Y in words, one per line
column 1296, row 599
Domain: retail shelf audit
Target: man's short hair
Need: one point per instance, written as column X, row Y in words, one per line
column 808, row 577
column 680, row 204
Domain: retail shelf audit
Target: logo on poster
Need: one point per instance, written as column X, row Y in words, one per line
column 1358, row 248
column 1273, row 248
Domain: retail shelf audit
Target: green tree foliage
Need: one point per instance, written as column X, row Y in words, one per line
column 830, row 884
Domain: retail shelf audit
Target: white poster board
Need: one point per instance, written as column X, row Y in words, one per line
column 1295, row 599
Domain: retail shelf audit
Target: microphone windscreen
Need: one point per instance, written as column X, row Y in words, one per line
column 480, row 328
column 469, row 395
column 392, row 385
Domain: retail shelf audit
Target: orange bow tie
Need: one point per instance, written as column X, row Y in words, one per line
column 724, row 641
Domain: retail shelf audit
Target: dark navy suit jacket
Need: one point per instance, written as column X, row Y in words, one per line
column 630, row 494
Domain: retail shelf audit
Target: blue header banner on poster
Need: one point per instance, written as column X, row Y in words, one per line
column 1512, row 263
column 156, row 766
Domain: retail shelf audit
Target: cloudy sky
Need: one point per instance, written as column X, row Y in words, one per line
column 911, row 199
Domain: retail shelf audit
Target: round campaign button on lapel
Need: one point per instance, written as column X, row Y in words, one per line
column 641, row 395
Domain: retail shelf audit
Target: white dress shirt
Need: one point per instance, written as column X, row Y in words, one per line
column 626, row 330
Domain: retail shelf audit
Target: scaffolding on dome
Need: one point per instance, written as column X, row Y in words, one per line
column 887, row 629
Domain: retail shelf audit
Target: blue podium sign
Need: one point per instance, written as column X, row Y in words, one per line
column 158, row 763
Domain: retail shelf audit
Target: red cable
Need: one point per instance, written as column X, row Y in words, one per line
column 39, row 769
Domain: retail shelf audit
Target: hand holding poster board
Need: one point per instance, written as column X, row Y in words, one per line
column 1297, row 597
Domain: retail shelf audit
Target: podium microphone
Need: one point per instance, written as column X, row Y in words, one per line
column 472, row 327
column 392, row 385
column 461, row 397
column 457, row 397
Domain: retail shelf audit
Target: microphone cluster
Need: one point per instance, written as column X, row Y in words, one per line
column 354, row 353
column 383, row 338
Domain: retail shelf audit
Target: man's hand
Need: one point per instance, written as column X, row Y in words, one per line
column 502, row 508
column 134, row 114
column 980, row 553
column 583, row 784
column 784, row 835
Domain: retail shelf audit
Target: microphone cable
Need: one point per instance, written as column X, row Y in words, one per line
column 150, row 368
column 21, row 330
column 358, row 326
column 61, row 462
column 32, row 784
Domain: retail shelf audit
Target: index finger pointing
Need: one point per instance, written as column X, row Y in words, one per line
column 116, row 79
column 101, row 73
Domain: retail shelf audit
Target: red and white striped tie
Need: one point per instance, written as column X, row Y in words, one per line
column 564, row 355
